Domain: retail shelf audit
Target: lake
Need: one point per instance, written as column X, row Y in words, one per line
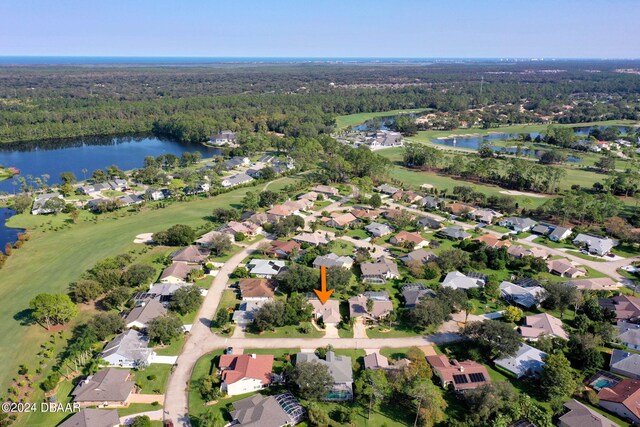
column 7, row 235
column 53, row 157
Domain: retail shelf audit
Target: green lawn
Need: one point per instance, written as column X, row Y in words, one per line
column 395, row 332
column 46, row 419
column 159, row 374
column 288, row 332
column 70, row 249
column 172, row 349
column 585, row 256
column 358, row 233
column 341, row 248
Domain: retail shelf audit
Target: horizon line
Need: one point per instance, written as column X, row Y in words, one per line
column 529, row 58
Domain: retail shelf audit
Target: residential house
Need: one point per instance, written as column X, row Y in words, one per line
column 624, row 306
column 375, row 361
column 333, row 260
column 246, row 311
column 594, row 244
column 206, row 239
column 580, row 415
column 407, row 196
column 406, row 237
column 234, row 162
column 225, row 137
column 163, row 292
column 430, row 202
column 140, row 316
column 284, row 250
column 108, row 387
column 454, row 233
column 598, row 284
column 384, row 138
column 130, row 200
column 387, row 189
column 177, row 272
column 528, row 361
column 428, row 222
column 564, row 268
column 90, row 417
column 625, row 363
column 340, row 370
column 378, row 230
column 382, row 305
column 542, row 324
column 459, row 209
column 329, row 312
column 460, row 376
column 364, row 213
column 492, row 241
column 157, row 194
column 191, row 255
column 413, row 293
column 298, row 205
column 314, row 239
column 629, row 334
column 380, row 271
column 40, row 201
column 257, row 289
column 518, row 224
column 311, row 196
column 244, row 373
column 525, row 297
column 259, row 218
column 521, row 252
column 486, row 216
column 622, row 399
column 559, row 233
column 247, row 228
column 267, row 411
column 326, row 190
column 234, row 180
column 457, row 280
column 419, row 255
column 339, row 220
column 392, row 214
column 265, row 268
column 128, row 350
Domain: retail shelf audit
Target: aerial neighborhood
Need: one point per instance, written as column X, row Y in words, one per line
column 327, row 248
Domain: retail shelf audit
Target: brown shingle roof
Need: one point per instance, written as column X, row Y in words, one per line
column 257, row 288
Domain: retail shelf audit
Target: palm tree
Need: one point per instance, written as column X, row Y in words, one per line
column 467, row 306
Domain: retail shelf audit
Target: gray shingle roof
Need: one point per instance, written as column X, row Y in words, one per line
column 90, row 417
column 131, row 345
column 108, row 385
column 339, row 366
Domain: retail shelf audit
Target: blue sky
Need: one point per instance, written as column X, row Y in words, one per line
column 322, row 28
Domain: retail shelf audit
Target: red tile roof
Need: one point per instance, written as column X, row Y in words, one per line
column 626, row 392
column 236, row 367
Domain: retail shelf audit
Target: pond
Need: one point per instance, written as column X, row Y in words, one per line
column 83, row 155
column 7, row 235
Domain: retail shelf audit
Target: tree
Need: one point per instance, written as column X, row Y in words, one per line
column 220, row 244
column 606, row 163
column 317, row 415
column 223, row 215
column 267, row 198
column 489, row 401
column 67, row 189
column 559, row 297
column 453, row 259
column 86, row 290
column 557, row 380
column 186, row 300
column 372, row 387
column 584, row 351
column 51, row 382
column 117, row 298
column 138, row 275
column 495, row 338
column 164, row 329
column 375, row 201
column 21, row 203
column 68, row 178
column 312, row 380
column 250, row 201
column 222, row 318
column 430, row 405
column 105, row 324
column 54, row 205
column 52, row 309
column 141, row 421
column 512, row 314
column 209, row 387
column 338, row 278
column 485, row 150
column 299, row 279
column 177, row 235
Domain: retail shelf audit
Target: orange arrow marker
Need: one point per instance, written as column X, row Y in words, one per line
column 323, row 293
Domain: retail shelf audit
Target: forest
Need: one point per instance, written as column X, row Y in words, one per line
column 301, row 100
